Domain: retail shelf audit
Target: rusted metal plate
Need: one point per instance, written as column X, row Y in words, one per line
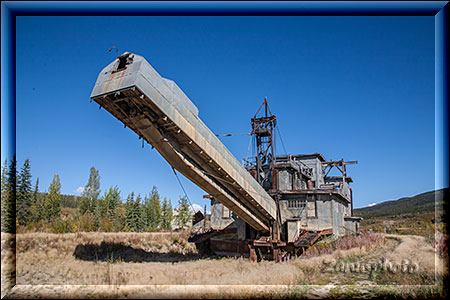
column 198, row 238
column 230, row 247
column 308, row 238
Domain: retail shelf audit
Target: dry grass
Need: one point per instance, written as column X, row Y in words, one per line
column 117, row 259
column 328, row 245
column 8, row 266
column 138, row 258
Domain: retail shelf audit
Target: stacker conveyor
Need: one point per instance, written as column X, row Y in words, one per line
column 158, row 111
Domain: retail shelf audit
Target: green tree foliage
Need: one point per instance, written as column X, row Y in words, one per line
column 91, row 192
column 53, row 202
column 4, row 189
column 183, row 217
column 130, row 213
column 70, row 201
column 9, row 175
column 108, row 213
column 114, row 217
column 153, row 208
column 112, row 197
column 167, row 214
column 135, row 214
column 140, row 215
column 24, row 194
column 100, row 211
column 37, row 206
column 5, row 193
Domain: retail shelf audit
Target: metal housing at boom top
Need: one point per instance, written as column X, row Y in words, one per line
column 158, row 111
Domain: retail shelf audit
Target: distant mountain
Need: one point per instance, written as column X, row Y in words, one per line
column 421, row 203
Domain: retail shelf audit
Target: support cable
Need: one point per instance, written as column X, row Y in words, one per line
column 248, row 149
column 232, row 134
column 281, row 139
column 185, row 194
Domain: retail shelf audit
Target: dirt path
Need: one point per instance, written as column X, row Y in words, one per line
column 415, row 249
column 399, row 248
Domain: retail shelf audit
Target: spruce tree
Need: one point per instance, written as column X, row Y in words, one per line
column 167, row 214
column 37, row 205
column 139, row 214
column 154, row 209
column 112, row 198
column 4, row 190
column 129, row 207
column 5, row 194
column 24, row 195
column 9, row 176
column 53, row 203
column 184, row 216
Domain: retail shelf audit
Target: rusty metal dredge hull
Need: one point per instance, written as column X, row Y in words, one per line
column 158, row 111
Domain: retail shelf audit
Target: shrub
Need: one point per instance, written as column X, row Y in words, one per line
column 328, row 246
column 86, row 222
column 64, row 225
column 106, row 225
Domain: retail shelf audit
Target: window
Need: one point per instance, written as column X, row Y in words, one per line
column 226, row 213
column 296, row 203
column 311, row 210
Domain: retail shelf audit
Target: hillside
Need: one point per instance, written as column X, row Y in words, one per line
column 423, row 203
column 67, row 201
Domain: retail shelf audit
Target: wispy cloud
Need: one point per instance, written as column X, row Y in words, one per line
column 79, row 190
column 372, row 204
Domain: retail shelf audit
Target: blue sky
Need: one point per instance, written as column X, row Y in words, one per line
column 359, row 88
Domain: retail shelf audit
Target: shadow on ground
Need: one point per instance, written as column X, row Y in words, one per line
column 114, row 252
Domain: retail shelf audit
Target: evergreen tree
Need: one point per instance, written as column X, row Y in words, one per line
column 24, row 195
column 153, row 208
column 129, row 207
column 37, row 205
column 112, row 209
column 4, row 186
column 4, row 189
column 167, row 214
column 184, row 216
column 91, row 192
column 101, row 210
column 9, row 176
column 53, row 203
column 112, row 198
column 139, row 214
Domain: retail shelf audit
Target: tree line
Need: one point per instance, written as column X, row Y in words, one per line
column 24, row 208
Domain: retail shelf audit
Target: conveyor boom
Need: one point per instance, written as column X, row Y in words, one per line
column 158, row 111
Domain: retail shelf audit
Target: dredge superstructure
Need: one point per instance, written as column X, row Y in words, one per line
column 270, row 206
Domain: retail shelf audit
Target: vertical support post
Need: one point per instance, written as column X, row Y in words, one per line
column 274, row 179
column 253, row 257
column 276, row 253
column 276, row 231
column 204, row 220
column 351, row 201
